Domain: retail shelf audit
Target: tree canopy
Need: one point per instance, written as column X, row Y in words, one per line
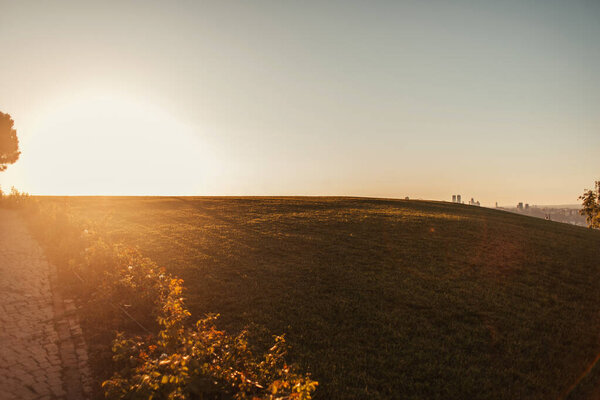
column 590, row 206
column 9, row 143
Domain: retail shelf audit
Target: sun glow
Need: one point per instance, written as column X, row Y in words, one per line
column 114, row 146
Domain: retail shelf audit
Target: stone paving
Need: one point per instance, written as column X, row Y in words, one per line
column 42, row 351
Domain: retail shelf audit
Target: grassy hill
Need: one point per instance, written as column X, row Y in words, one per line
column 385, row 298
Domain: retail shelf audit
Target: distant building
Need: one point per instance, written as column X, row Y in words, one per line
column 557, row 214
column 473, row 202
column 458, row 198
column 454, row 198
column 496, row 204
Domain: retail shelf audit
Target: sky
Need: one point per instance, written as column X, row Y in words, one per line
column 499, row 101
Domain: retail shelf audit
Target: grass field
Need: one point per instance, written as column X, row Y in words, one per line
column 385, row 298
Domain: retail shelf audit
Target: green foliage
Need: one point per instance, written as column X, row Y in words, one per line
column 9, row 143
column 201, row 362
column 590, row 206
column 120, row 290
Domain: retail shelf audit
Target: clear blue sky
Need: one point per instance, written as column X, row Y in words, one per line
column 494, row 100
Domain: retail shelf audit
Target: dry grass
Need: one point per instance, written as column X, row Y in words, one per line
column 384, row 298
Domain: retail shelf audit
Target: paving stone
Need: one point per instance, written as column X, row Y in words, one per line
column 38, row 356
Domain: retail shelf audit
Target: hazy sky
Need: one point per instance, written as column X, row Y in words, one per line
column 497, row 100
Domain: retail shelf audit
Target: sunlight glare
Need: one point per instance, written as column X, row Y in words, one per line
column 114, row 146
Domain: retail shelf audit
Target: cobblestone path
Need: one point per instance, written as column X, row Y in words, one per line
column 42, row 352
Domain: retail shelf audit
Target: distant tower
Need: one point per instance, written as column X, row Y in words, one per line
column 454, row 198
column 527, row 206
column 496, row 204
column 458, row 198
column 520, row 206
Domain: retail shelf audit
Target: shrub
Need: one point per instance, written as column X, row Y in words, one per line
column 14, row 199
column 184, row 362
